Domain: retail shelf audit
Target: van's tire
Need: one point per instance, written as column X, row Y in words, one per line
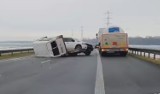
column 64, row 55
column 87, row 53
column 72, row 54
column 78, row 48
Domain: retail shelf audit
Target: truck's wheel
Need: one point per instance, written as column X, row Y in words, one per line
column 123, row 54
column 102, row 54
column 87, row 53
column 78, row 48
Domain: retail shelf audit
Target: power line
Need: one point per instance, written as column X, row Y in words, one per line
column 108, row 18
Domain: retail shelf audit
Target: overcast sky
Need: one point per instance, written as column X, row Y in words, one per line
column 31, row 19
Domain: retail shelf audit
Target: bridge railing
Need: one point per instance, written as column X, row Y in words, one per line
column 12, row 51
column 150, row 53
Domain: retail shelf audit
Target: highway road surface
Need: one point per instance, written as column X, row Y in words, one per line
column 79, row 75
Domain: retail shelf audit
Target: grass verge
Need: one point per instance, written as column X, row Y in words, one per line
column 146, row 59
column 15, row 55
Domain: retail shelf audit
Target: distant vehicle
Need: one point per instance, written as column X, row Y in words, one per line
column 96, row 46
column 112, row 40
column 75, row 46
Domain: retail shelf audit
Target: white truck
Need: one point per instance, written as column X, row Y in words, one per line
column 112, row 40
column 49, row 47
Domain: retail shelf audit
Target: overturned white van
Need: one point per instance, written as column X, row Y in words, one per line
column 49, row 47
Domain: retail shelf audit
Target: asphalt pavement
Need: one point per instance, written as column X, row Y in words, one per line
column 62, row 75
column 128, row 75
column 78, row 75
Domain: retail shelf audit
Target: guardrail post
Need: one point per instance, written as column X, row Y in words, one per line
column 140, row 53
column 148, row 55
column 144, row 54
column 154, row 56
column 0, row 54
column 12, row 53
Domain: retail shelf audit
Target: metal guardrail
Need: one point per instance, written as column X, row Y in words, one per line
column 12, row 51
column 145, row 52
column 136, row 51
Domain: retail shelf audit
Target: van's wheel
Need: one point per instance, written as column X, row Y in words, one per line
column 72, row 54
column 78, row 48
column 87, row 53
column 64, row 55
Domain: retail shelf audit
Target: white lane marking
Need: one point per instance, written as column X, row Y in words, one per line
column 99, row 86
column 46, row 61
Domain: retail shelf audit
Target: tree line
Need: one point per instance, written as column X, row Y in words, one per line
column 144, row 41
column 134, row 41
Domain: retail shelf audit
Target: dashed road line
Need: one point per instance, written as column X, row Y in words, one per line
column 99, row 86
column 46, row 61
